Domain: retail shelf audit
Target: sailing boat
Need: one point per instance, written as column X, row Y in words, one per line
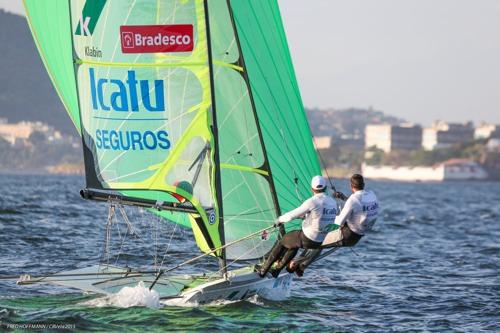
column 189, row 108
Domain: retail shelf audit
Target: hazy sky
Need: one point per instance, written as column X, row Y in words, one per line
column 417, row 59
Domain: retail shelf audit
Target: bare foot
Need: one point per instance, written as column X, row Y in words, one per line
column 292, row 266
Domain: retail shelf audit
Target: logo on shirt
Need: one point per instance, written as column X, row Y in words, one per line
column 371, row 209
column 329, row 211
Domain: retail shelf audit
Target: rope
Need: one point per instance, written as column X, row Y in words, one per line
column 130, row 229
column 323, row 167
column 121, row 244
column 161, row 272
column 217, row 249
column 168, row 247
column 111, row 213
column 295, row 178
column 155, row 236
column 235, row 260
column 326, row 254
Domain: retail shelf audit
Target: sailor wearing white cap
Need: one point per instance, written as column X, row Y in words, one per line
column 356, row 218
column 318, row 212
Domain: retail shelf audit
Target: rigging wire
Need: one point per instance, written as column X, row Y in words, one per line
column 121, row 247
column 155, row 237
column 237, row 259
column 129, row 229
column 340, row 204
column 168, row 247
column 323, row 166
column 107, row 239
column 254, row 234
column 161, row 272
column 295, row 178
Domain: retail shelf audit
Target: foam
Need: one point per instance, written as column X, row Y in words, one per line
column 181, row 303
column 128, row 297
column 275, row 294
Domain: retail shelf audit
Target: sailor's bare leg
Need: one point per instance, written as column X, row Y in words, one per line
column 290, row 241
column 287, row 257
column 276, row 253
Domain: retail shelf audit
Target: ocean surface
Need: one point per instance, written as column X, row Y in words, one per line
column 431, row 264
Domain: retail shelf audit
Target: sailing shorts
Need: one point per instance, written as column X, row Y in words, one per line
column 296, row 239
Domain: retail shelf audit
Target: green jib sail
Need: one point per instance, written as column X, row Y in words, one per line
column 189, row 101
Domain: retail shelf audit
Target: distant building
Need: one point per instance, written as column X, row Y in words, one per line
column 493, row 145
column 323, row 142
column 454, row 169
column 486, row 131
column 355, row 141
column 443, row 135
column 18, row 134
column 393, row 137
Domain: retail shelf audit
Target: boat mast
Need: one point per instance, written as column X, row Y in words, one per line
column 218, row 187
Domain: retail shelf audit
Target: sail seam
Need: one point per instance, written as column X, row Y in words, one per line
column 244, row 168
column 166, row 65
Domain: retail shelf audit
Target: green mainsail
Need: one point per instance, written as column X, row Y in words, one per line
column 190, row 92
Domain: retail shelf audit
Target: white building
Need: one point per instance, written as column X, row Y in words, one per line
column 19, row 133
column 444, row 135
column 391, row 137
column 454, row 169
column 485, row 131
column 493, row 145
column 322, row 142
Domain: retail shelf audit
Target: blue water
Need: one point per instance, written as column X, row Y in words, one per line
column 432, row 264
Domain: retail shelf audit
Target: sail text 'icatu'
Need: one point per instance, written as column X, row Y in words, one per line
column 124, row 95
column 129, row 95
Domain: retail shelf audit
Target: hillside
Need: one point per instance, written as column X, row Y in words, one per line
column 352, row 121
column 26, row 92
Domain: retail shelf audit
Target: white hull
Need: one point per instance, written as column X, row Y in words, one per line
column 238, row 287
column 179, row 290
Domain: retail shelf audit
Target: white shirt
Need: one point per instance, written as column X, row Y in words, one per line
column 318, row 212
column 360, row 212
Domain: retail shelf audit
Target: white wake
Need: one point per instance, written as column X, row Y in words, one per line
column 128, row 297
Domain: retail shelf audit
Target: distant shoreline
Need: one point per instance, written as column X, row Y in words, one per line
column 36, row 173
column 334, row 178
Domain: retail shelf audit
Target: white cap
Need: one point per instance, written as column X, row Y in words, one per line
column 318, row 183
